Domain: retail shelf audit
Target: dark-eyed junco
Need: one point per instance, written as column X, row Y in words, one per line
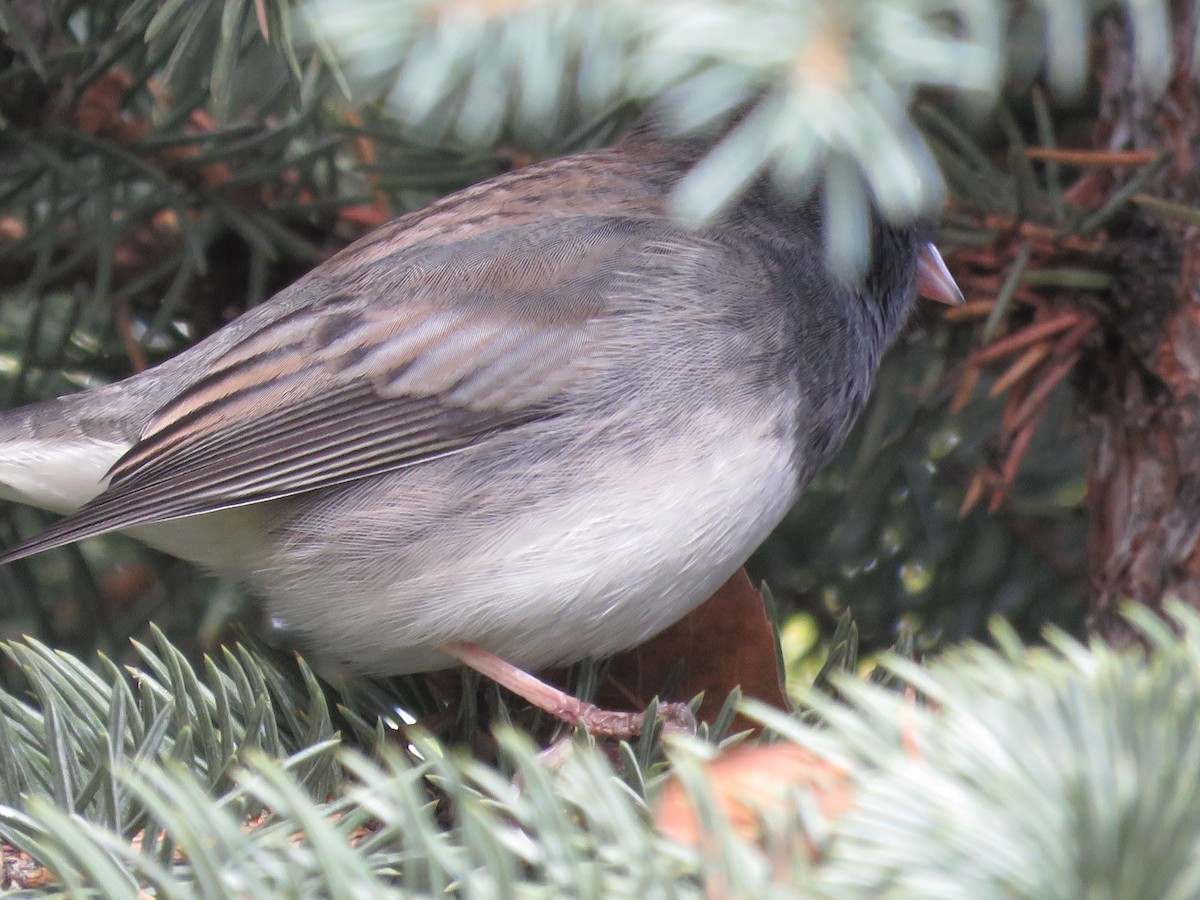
column 536, row 418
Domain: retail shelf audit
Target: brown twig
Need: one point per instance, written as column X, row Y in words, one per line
column 1074, row 338
column 1033, row 334
column 974, row 493
column 966, row 384
column 1025, row 364
column 1028, row 407
column 137, row 356
column 1009, row 416
column 1016, row 453
column 975, row 309
column 1106, row 158
column 1012, row 464
column 260, row 12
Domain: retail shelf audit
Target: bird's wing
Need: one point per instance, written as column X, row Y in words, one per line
column 402, row 358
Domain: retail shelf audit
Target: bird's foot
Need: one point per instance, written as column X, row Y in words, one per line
column 608, row 723
column 605, row 723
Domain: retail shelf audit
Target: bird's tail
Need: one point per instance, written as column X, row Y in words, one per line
column 56, row 454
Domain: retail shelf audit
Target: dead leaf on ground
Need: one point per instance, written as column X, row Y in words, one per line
column 18, row 871
column 753, row 786
column 725, row 642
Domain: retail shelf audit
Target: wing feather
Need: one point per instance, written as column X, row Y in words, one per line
column 392, row 374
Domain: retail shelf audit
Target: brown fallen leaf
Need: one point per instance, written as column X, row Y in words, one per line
column 724, row 643
column 18, row 871
column 753, row 785
column 127, row 583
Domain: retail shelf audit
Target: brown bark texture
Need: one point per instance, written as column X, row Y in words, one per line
column 1143, row 389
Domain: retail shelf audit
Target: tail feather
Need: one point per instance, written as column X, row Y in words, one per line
column 85, row 523
column 57, row 455
column 58, row 473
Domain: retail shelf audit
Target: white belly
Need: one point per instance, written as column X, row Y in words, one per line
column 586, row 575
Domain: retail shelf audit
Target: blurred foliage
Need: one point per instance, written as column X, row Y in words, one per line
column 905, row 557
column 1068, row 771
column 244, row 775
column 822, row 90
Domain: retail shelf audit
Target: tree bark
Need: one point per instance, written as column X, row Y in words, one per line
column 1143, row 389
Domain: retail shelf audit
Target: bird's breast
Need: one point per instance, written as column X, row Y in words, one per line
column 582, row 555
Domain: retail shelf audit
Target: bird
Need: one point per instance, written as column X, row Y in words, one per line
column 534, row 422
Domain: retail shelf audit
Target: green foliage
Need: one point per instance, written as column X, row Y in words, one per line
column 86, row 725
column 829, row 85
column 1057, row 772
column 227, row 780
column 1064, row 772
column 879, row 532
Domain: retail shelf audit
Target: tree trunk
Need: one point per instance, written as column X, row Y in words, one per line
column 1144, row 390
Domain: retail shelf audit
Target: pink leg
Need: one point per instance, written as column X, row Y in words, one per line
column 561, row 705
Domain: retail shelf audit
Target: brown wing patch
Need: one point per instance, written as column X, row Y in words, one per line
column 275, row 458
column 421, row 358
